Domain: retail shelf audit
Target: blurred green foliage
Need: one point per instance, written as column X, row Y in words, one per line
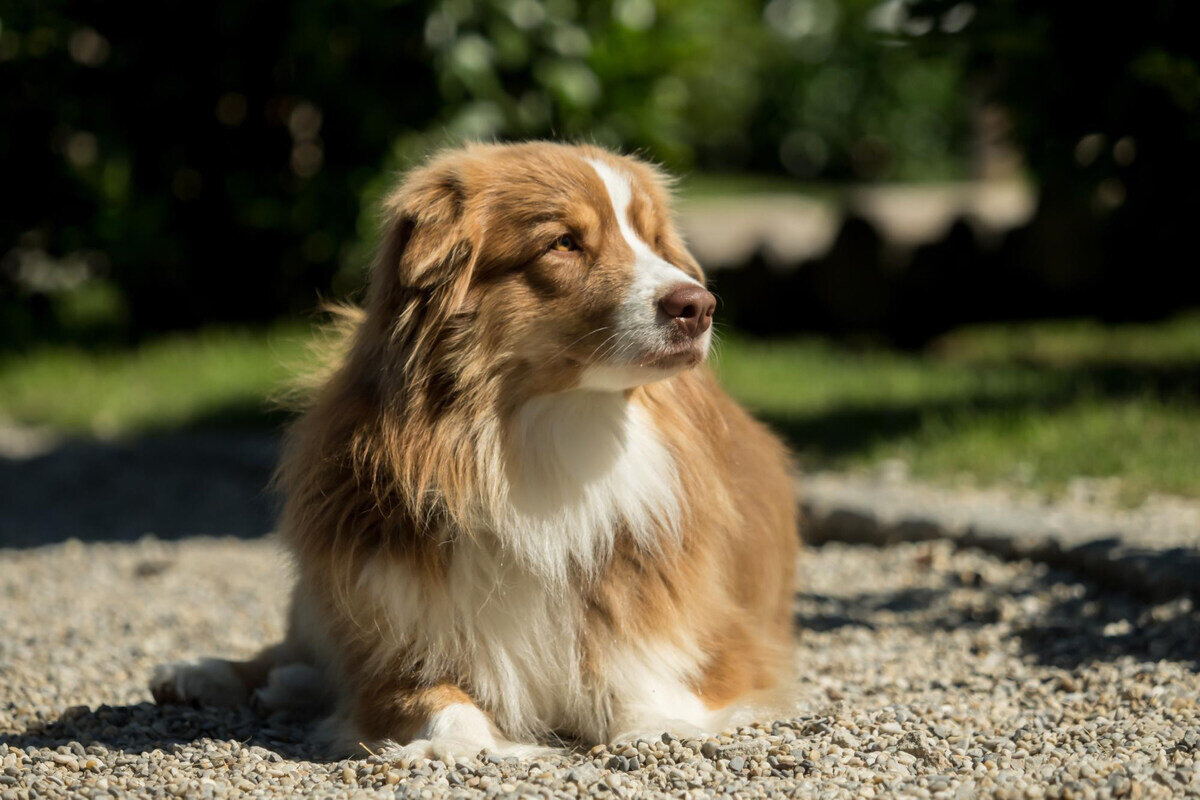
column 203, row 160
column 175, row 164
column 189, row 163
column 809, row 87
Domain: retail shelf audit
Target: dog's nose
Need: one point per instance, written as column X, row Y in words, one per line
column 691, row 307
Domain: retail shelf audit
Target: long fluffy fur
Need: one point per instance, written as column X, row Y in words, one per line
column 471, row 531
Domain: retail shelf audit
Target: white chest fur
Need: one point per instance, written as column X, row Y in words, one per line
column 507, row 618
column 580, row 466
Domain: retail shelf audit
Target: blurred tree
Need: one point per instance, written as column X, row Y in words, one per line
column 812, row 87
column 851, row 98
column 174, row 164
column 207, row 159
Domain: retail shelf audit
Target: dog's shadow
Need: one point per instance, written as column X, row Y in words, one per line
column 146, row 727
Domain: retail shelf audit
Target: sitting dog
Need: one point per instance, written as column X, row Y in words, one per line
column 520, row 507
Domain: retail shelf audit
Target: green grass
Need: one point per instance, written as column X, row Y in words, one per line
column 1036, row 403
column 218, row 377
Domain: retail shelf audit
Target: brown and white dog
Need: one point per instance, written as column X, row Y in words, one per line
column 521, row 508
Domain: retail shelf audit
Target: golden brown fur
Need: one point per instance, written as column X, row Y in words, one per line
column 405, row 466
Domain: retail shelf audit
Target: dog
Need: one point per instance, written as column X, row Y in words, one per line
column 521, row 509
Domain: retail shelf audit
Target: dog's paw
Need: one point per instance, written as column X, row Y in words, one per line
column 448, row 751
column 459, row 732
column 207, row 681
column 452, row 750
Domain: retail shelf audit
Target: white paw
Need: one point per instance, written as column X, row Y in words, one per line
column 451, row 750
column 207, row 681
column 448, row 751
column 680, row 729
column 458, row 732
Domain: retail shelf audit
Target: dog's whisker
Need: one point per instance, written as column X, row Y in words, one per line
column 620, row 345
column 628, row 345
column 615, row 335
column 567, row 347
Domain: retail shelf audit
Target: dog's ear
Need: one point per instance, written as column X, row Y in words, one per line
column 429, row 246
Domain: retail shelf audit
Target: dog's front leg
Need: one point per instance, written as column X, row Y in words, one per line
column 436, row 722
column 215, row 681
column 659, row 704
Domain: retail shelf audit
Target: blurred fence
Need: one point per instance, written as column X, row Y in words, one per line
column 904, row 263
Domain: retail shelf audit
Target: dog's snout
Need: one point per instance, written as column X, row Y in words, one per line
column 690, row 306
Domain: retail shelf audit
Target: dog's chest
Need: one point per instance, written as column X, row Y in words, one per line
column 579, row 469
column 507, row 618
column 490, row 626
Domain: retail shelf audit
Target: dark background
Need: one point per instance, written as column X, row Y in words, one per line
column 175, row 164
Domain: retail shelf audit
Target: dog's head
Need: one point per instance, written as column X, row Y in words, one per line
column 550, row 266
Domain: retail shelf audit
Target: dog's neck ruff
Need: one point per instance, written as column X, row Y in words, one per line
column 574, row 471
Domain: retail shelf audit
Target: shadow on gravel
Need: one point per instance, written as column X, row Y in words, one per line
column 820, row 612
column 1102, row 625
column 919, row 608
column 1059, row 618
column 169, row 485
column 144, row 727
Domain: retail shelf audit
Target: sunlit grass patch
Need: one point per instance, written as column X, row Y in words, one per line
column 1037, row 403
column 220, row 376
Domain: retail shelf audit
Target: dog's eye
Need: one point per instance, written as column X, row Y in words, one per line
column 564, row 244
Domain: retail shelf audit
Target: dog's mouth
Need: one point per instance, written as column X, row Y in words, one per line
column 670, row 354
column 649, row 361
column 675, row 357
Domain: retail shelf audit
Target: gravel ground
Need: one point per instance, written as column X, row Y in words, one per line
column 1088, row 511
column 924, row 671
column 1153, row 549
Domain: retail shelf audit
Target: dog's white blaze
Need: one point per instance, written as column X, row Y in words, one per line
column 653, row 273
column 582, row 465
column 637, row 324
